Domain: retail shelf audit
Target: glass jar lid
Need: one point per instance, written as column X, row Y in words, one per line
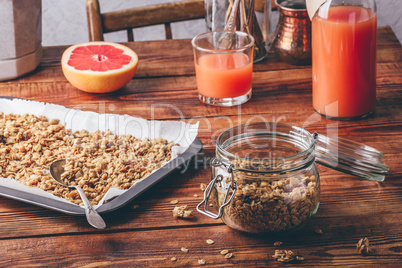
column 350, row 157
column 257, row 141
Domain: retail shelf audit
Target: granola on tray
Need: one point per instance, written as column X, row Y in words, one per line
column 95, row 161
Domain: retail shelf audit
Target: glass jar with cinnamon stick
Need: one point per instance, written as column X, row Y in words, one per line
column 250, row 16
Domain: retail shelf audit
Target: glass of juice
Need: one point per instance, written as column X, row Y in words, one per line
column 223, row 67
column 344, row 34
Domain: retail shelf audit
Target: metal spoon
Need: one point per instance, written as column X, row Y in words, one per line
column 94, row 219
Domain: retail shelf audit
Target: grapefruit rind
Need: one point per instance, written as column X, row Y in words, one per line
column 99, row 81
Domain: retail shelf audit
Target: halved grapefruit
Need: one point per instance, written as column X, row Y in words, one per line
column 99, row 67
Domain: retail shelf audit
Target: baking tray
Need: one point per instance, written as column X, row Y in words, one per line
column 111, row 204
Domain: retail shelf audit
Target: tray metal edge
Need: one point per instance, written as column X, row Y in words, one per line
column 41, row 201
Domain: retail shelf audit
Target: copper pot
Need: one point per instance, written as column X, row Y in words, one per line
column 292, row 41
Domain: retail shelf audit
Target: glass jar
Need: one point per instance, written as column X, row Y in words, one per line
column 265, row 178
column 344, row 34
column 250, row 16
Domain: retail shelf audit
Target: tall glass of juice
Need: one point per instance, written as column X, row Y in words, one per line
column 344, row 36
column 223, row 67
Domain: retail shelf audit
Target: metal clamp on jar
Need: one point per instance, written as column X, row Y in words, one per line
column 265, row 179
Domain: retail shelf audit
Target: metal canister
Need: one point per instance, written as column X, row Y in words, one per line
column 292, row 41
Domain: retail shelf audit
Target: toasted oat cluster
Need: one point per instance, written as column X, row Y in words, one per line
column 95, row 161
column 182, row 212
column 286, row 256
column 363, row 246
column 270, row 204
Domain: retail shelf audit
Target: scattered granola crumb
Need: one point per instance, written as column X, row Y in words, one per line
column 210, row 241
column 278, row 244
column 135, row 206
column 211, row 205
column 203, row 186
column 229, row 255
column 318, row 231
column 196, row 195
column 184, row 249
column 201, row 262
column 363, row 246
column 286, row 256
column 182, row 212
column 224, row 252
column 173, row 259
column 174, row 202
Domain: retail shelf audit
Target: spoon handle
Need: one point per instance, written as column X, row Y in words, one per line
column 93, row 217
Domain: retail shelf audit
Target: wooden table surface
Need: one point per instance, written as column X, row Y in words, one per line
column 164, row 88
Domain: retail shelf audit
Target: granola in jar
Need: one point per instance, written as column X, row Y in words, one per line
column 269, row 205
column 264, row 178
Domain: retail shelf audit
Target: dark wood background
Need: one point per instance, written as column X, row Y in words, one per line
column 164, row 89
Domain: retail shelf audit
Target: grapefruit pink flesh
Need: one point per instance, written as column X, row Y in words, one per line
column 98, row 58
column 99, row 67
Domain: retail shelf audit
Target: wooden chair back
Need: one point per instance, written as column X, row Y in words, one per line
column 100, row 23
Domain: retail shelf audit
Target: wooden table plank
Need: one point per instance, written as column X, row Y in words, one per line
column 271, row 90
column 131, row 248
column 178, row 55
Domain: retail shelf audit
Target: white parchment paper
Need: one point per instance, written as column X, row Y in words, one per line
column 179, row 132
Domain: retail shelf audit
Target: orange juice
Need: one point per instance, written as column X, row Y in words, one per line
column 224, row 75
column 344, row 61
